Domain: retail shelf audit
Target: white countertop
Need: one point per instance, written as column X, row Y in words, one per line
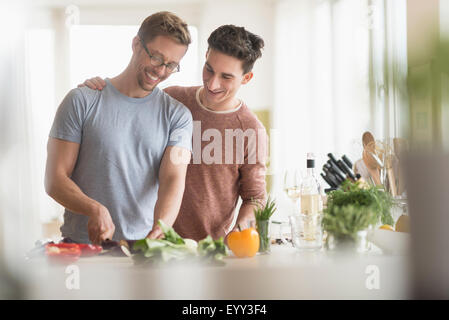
column 285, row 273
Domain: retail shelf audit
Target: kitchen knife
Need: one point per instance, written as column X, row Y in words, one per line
column 335, row 170
column 328, row 172
column 340, row 177
column 333, row 178
column 329, row 181
column 347, row 170
column 329, row 190
column 347, row 161
column 332, row 158
column 332, row 161
column 118, row 248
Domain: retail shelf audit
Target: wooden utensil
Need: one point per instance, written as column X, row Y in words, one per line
column 372, row 167
column 372, row 162
column 400, row 146
column 367, row 138
column 390, row 173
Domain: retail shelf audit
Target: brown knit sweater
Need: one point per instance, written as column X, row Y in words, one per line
column 212, row 188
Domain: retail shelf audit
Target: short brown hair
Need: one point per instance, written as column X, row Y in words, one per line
column 164, row 23
column 238, row 43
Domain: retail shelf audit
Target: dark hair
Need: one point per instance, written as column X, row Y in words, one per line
column 164, row 23
column 238, row 43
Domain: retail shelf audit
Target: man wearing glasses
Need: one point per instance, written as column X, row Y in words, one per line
column 213, row 185
column 117, row 158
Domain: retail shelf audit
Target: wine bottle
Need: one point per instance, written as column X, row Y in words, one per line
column 311, row 190
column 311, row 201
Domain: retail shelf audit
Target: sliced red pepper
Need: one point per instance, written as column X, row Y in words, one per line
column 65, row 253
column 88, row 250
column 70, row 252
column 65, row 245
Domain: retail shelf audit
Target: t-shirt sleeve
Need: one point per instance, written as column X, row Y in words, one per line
column 68, row 122
column 181, row 128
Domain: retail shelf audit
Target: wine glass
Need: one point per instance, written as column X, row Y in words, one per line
column 292, row 186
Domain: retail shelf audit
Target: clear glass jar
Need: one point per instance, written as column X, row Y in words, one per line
column 263, row 228
column 307, row 231
column 359, row 244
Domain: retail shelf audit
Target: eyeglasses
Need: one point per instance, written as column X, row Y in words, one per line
column 156, row 61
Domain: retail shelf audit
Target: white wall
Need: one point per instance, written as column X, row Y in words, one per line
column 256, row 15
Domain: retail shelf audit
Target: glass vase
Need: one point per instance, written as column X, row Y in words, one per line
column 358, row 243
column 263, row 228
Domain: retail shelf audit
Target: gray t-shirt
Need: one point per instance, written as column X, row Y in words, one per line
column 122, row 141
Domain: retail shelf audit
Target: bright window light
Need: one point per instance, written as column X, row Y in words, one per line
column 41, row 96
column 105, row 51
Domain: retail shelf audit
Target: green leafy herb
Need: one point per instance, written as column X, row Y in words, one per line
column 153, row 251
column 170, row 234
column 212, row 250
column 263, row 215
column 354, row 208
column 174, row 248
column 265, row 212
column 346, row 221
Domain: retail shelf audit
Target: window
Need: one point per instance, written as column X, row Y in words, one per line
column 321, row 90
column 41, row 98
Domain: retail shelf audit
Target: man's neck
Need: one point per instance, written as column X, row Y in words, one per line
column 127, row 84
column 227, row 106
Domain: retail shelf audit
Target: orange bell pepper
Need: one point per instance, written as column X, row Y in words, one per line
column 244, row 243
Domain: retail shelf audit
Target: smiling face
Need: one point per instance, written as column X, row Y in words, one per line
column 222, row 78
column 148, row 75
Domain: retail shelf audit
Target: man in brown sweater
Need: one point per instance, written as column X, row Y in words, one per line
column 229, row 142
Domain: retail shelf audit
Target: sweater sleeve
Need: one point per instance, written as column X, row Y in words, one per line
column 252, row 173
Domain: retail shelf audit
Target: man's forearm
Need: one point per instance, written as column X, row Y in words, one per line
column 246, row 213
column 169, row 201
column 64, row 191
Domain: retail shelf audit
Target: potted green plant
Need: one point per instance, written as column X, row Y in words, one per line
column 263, row 215
column 352, row 210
